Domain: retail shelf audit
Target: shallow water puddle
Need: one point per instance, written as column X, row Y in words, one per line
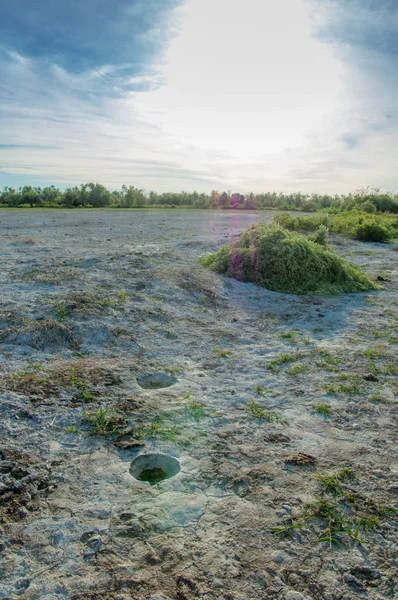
column 155, row 381
column 152, row 476
column 154, row 468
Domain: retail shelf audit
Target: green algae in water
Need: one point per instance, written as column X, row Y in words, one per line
column 152, row 476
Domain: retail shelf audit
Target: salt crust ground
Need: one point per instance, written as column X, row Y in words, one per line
column 74, row 522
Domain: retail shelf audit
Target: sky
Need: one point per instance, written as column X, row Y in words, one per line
column 170, row 95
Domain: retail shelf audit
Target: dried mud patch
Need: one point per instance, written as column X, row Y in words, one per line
column 41, row 334
column 157, row 380
column 80, row 377
column 203, row 287
column 51, row 275
column 282, row 415
column 25, row 479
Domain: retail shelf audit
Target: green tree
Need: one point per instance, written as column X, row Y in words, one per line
column 132, row 196
column 30, row 195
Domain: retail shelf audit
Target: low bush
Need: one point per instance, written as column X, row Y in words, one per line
column 357, row 224
column 320, row 236
column 288, row 262
column 370, row 231
column 301, row 223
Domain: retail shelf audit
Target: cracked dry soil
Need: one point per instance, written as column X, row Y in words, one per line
column 115, row 343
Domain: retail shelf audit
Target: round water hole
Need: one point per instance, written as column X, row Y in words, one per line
column 155, row 381
column 154, row 468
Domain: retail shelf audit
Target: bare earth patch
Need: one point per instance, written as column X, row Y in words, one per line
column 280, row 412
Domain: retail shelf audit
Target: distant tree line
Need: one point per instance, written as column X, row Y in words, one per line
column 95, row 195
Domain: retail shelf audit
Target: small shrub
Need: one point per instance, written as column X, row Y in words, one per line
column 262, row 391
column 103, row 422
column 321, row 236
column 221, row 353
column 72, row 429
column 371, row 231
column 289, row 335
column 258, row 412
column 369, row 207
column 82, row 385
column 329, row 484
column 197, row 410
column 61, row 311
column 323, row 409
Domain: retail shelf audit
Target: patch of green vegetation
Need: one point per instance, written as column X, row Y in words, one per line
column 72, row 429
column 152, row 476
column 262, row 391
column 167, row 368
column 22, row 374
column 379, row 399
column 158, row 428
column 288, row 262
column 368, row 523
column 327, row 365
column 103, row 422
column 296, row 369
column 391, row 369
column 343, row 514
column 197, row 410
column 282, row 359
column 368, row 506
column 329, row 484
column 372, row 368
column 82, row 385
column 287, row 531
column 61, row 312
column 332, row 483
column 336, row 524
column 258, row 412
column 357, row 224
column 221, row 353
column 376, row 333
column 347, row 474
column 285, row 220
column 323, row 409
column 320, row 236
column 351, row 389
column 369, row 230
column 122, row 296
column 375, row 352
column 289, row 335
column 108, row 301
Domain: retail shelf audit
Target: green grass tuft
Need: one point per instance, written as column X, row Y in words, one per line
column 323, row 409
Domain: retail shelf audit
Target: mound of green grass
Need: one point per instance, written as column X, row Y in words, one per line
column 288, row 262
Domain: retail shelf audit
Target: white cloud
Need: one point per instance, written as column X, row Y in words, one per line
column 245, row 78
column 246, row 98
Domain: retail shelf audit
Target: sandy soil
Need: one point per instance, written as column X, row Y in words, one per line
column 92, row 303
